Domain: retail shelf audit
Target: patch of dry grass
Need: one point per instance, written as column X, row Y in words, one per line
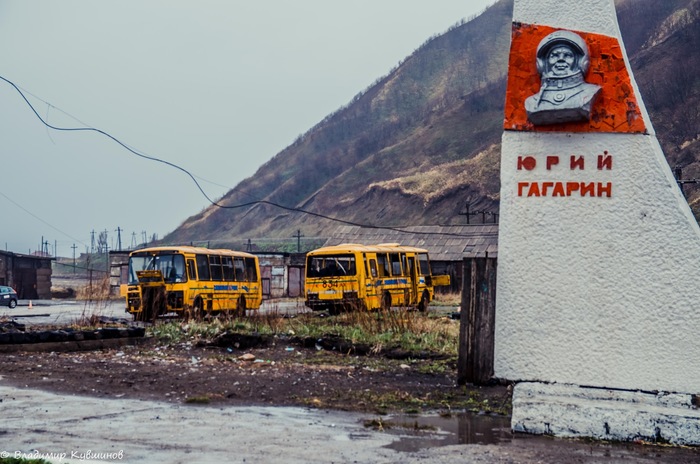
column 438, row 180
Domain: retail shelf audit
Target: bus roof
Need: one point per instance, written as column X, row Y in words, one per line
column 195, row 250
column 356, row 247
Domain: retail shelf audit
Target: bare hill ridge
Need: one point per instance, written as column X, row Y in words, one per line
column 422, row 141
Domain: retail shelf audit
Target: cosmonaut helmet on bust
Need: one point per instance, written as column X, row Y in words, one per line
column 568, row 39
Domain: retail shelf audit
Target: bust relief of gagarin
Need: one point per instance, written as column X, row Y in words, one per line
column 564, row 96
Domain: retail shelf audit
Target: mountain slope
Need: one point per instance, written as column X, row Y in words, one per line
column 425, row 139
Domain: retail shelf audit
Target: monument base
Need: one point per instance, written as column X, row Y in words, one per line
column 572, row 411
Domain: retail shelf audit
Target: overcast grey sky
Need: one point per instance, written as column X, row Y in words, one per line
column 217, row 87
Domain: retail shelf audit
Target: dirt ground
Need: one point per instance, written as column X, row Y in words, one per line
column 281, row 372
column 290, row 372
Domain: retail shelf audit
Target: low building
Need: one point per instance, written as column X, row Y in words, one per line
column 282, row 274
column 29, row 275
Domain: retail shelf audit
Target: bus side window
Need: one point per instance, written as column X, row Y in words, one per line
column 191, row 270
column 382, row 268
column 239, row 269
column 251, row 270
column 203, row 267
column 373, row 268
column 215, row 267
column 395, row 264
column 227, row 265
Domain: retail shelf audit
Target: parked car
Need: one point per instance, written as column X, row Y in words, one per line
column 8, row 297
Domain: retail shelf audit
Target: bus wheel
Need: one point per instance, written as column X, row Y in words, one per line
column 334, row 310
column 358, row 306
column 424, row 302
column 197, row 309
column 240, row 307
column 386, row 301
column 144, row 316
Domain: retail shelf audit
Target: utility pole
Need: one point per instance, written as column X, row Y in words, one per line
column 468, row 213
column 298, row 236
column 119, row 238
column 104, row 240
column 74, row 247
column 678, row 174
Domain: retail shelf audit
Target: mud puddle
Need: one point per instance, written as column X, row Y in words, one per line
column 421, row 432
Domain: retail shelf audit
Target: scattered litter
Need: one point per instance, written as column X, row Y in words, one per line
column 247, row 357
column 289, row 348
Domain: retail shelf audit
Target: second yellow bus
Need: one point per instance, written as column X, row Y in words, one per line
column 353, row 276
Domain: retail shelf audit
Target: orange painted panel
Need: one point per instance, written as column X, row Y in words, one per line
column 615, row 110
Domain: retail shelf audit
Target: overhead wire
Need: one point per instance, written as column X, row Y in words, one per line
column 214, row 203
column 39, row 219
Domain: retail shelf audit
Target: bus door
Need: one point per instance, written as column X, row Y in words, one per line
column 384, row 281
column 414, row 278
column 372, row 282
column 191, row 270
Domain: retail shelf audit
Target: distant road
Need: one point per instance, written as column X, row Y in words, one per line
column 64, row 312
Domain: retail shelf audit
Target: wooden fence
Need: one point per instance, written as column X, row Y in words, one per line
column 477, row 321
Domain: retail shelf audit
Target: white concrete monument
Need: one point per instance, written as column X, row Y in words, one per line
column 598, row 293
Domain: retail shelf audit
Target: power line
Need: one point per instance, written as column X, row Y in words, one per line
column 201, row 190
column 38, row 218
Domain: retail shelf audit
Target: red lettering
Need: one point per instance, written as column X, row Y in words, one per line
column 572, row 187
column 552, row 161
column 565, row 189
column 545, row 186
column 576, row 162
column 521, row 187
column 558, row 190
column 588, row 189
column 604, row 161
column 528, row 163
column 605, row 189
column 534, row 190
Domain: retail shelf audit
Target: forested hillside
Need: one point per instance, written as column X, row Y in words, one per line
column 424, row 140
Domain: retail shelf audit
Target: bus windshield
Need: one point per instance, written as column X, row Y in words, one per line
column 330, row 266
column 171, row 265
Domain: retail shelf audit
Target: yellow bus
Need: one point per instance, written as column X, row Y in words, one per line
column 369, row 277
column 191, row 281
